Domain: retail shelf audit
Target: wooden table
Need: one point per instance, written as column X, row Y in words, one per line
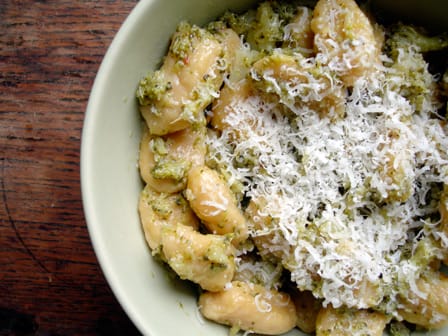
column 50, row 280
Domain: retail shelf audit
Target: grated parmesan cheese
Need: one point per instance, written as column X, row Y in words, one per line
column 346, row 194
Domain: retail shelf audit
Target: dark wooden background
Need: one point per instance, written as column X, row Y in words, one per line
column 50, row 280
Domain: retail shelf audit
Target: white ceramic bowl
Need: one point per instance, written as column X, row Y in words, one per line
column 156, row 302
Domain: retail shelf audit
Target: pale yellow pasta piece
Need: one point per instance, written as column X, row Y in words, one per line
column 300, row 83
column 164, row 162
column 345, row 39
column 264, row 227
column 231, row 44
column 250, row 307
column 186, row 83
column 307, row 308
column 189, row 144
column 367, row 293
column 205, row 259
column 146, row 160
column 429, row 307
column 343, row 322
column 298, row 33
column 394, row 171
column 238, row 56
column 236, row 89
column 213, row 202
column 226, row 106
column 159, row 210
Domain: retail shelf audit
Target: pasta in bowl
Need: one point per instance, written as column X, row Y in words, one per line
column 293, row 169
column 308, row 152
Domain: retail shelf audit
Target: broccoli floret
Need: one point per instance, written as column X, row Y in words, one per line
column 398, row 329
column 263, row 28
column 185, row 39
column 404, row 36
column 168, row 168
column 286, row 10
column 426, row 252
column 268, row 30
column 409, row 73
column 241, row 24
column 152, row 88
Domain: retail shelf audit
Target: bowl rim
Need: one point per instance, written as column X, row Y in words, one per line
column 87, row 137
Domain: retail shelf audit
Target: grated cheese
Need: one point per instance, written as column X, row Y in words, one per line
column 342, row 216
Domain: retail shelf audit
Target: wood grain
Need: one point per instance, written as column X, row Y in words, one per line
column 50, row 281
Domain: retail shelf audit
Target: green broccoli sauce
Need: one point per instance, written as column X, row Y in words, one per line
column 399, row 329
column 168, row 168
column 159, row 147
column 263, row 27
column 162, row 208
column 185, row 39
column 152, row 88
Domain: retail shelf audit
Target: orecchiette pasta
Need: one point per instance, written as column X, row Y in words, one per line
column 231, row 44
column 264, row 230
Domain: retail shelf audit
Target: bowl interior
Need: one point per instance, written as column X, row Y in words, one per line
column 154, row 299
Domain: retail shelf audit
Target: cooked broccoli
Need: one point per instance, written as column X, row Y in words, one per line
column 267, row 32
column 152, row 88
column 241, row 24
column 406, row 46
column 404, row 36
column 426, row 251
column 168, row 168
column 185, row 39
column 263, row 29
column 155, row 85
column 398, row 329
